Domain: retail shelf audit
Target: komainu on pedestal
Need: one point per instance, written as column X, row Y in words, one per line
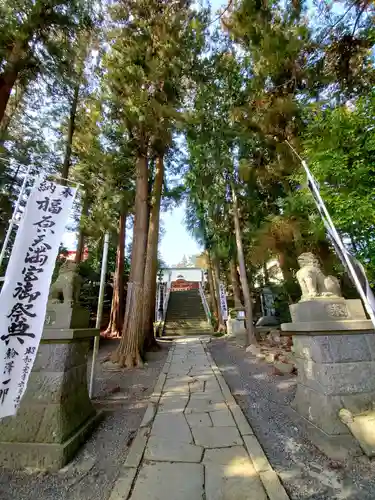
column 334, row 348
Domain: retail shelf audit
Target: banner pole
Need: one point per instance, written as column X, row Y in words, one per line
column 99, row 312
column 13, row 220
column 338, row 237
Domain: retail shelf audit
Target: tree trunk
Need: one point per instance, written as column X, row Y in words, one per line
column 117, row 308
column 216, row 275
column 10, row 73
column 288, row 262
column 71, row 128
column 128, row 353
column 81, row 234
column 235, row 284
column 243, row 277
column 266, row 274
column 11, row 110
column 149, row 293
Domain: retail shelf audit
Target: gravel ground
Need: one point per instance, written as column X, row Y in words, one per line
column 123, row 395
column 264, row 398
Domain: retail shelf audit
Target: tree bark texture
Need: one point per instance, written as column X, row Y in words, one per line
column 81, row 234
column 149, row 292
column 235, row 283
column 71, row 129
column 243, row 277
column 10, row 73
column 11, row 110
column 128, row 353
column 266, row 274
column 116, row 318
column 288, row 263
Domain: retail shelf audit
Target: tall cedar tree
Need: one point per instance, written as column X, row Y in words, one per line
column 148, row 46
column 42, row 39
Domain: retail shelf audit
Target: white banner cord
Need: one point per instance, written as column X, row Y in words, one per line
column 349, row 262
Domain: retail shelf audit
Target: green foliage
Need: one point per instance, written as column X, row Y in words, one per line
column 340, row 146
column 217, row 103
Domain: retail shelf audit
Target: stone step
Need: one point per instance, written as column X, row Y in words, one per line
column 187, row 327
column 186, row 332
column 186, row 315
column 193, row 325
column 175, row 319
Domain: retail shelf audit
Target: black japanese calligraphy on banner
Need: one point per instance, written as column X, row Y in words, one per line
column 24, row 295
column 223, row 302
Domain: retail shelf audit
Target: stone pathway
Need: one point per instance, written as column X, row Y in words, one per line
column 194, row 442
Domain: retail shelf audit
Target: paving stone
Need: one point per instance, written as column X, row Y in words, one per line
column 229, row 399
column 166, row 368
column 212, row 397
column 123, row 484
column 159, row 385
column 203, row 406
column 257, row 454
column 183, row 372
column 171, row 426
column 149, row 415
column 137, row 448
column 196, row 386
column 173, row 403
column 222, row 418
column 163, row 481
column 182, row 379
column 233, row 482
column 198, row 419
column 207, row 377
column 196, row 372
column 175, row 386
column 227, row 456
column 241, row 421
column 272, row 485
column 216, row 437
column 212, row 385
column 168, row 450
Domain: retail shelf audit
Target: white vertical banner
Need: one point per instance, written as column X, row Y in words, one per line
column 24, row 296
column 223, row 302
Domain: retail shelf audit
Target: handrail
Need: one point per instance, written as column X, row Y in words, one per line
column 166, row 300
column 204, row 302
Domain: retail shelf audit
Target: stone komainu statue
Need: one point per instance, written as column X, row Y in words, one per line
column 67, row 287
column 312, row 281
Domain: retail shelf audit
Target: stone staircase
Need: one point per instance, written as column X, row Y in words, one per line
column 185, row 315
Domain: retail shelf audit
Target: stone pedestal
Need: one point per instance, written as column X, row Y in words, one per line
column 62, row 316
column 334, row 346
column 56, row 414
column 236, row 328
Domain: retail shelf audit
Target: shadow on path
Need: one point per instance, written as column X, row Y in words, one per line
column 123, row 395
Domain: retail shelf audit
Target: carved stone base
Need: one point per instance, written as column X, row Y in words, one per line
column 335, row 446
column 59, row 316
column 334, row 372
column 321, row 316
column 327, row 309
column 56, row 413
column 46, row 456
